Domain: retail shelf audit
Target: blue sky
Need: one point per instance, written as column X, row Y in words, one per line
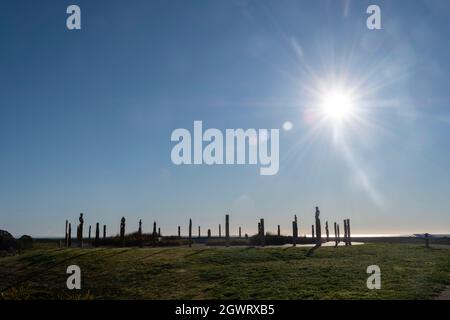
column 86, row 116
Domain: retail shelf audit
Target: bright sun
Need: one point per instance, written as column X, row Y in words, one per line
column 337, row 106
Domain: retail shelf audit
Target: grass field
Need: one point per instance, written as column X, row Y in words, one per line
column 409, row 271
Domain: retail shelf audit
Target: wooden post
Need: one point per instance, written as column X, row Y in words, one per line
column 345, row 232
column 220, row 231
column 159, row 232
column 318, row 228
column 104, row 231
column 240, row 234
column 263, row 234
column 294, row 234
column 199, row 234
column 97, row 235
column 278, row 231
column 348, row 233
column 327, row 231
column 80, row 231
column 154, row 229
column 336, row 234
column 190, row 233
column 209, row 233
column 339, row 234
column 227, row 229
column 122, row 231
column 312, row 232
column 89, row 234
column 179, row 232
column 69, row 239
column 140, row 233
column 66, row 238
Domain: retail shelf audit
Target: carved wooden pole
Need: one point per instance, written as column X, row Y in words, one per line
column 227, row 229
column 327, row 231
column 140, row 233
column 179, row 232
column 348, row 233
column 263, row 233
column 159, row 232
column 190, row 233
column 199, row 234
column 278, row 231
column 80, row 231
column 240, row 234
column 104, row 231
column 122, row 231
column 154, row 229
column 209, row 233
column 220, row 231
column 318, row 228
column 89, row 233
column 312, row 232
column 69, row 239
column 66, row 238
column 97, row 235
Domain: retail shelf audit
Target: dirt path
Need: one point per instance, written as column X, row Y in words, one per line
column 444, row 295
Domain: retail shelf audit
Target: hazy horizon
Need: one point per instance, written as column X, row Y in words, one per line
column 86, row 116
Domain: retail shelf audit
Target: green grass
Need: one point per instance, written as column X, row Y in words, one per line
column 408, row 272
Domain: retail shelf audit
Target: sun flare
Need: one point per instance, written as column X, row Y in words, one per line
column 337, row 106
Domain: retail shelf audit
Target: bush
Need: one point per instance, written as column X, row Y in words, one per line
column 25, row 242
column 7, row 242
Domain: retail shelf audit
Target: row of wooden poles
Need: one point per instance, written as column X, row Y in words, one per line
column 316, row 232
